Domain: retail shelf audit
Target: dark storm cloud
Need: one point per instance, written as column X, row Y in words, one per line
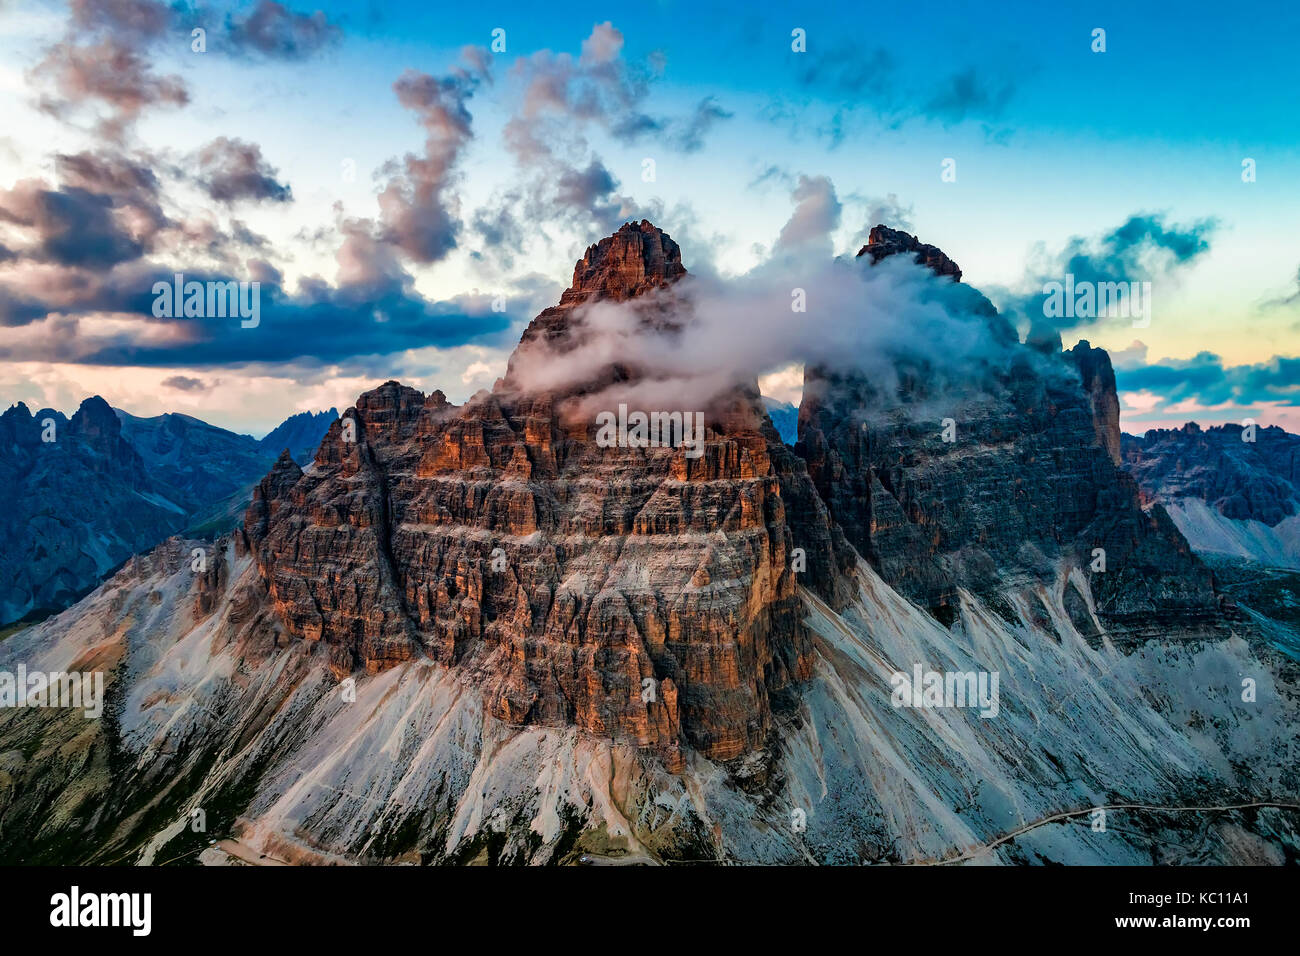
column 1205, row 380
column 68, row 226
column 320, row 323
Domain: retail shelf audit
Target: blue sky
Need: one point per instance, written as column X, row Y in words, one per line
column 1055, row 147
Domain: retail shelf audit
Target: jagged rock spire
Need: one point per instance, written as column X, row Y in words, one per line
column 883, row 241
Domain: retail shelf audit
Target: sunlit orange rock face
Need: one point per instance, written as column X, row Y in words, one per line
column 637, row 593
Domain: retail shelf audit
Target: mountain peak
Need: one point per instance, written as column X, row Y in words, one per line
column 635, row 259
column 883, row 241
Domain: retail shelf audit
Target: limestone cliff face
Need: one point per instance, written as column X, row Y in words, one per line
column 1098, row 379
column 652, row 597
column 1028, row 475
column 639, row 594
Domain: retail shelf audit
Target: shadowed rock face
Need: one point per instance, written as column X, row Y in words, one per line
column 1240, row 479
column 1097, row 377
column 639, row 594
column 75, row 506
column 1030, row 477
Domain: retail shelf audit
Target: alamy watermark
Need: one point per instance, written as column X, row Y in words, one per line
column 1098, row 300
column 129, row 910
column 84, row 691
column 211, row 299
column 928, row 689
column 651, row 430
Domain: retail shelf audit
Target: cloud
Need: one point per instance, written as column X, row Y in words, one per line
column 107, row 55
column 231, row 170
column 849, row 70
column 1144, row 248
column 772, row 174
column 112, row 324
column 67, row 226
column 600, row 86
column 816, row 215
column 725, row 332
column 870, row 82
column 877, row 211
column 1286, row 301
column 1132, row 357
column 107, row 72
column 105, row 210
column 967, row 95
column 418, row 213
column 80, row 258
column 183, row 383
column 1205, row 380
column 690, row 133
column 564, row 183
column 273, row 30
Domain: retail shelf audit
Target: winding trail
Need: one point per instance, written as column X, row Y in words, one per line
column 1057, row 817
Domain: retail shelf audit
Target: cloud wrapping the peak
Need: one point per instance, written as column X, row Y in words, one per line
column 732, row 331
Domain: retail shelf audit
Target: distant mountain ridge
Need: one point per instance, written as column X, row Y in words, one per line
column 1228, row 495
column 300, row 434
column 87, row 492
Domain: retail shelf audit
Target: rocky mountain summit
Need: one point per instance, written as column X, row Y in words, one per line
column 883, row 242
column 477, row 633
column 299, row 434
column 635, row 593
column 996, row 479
